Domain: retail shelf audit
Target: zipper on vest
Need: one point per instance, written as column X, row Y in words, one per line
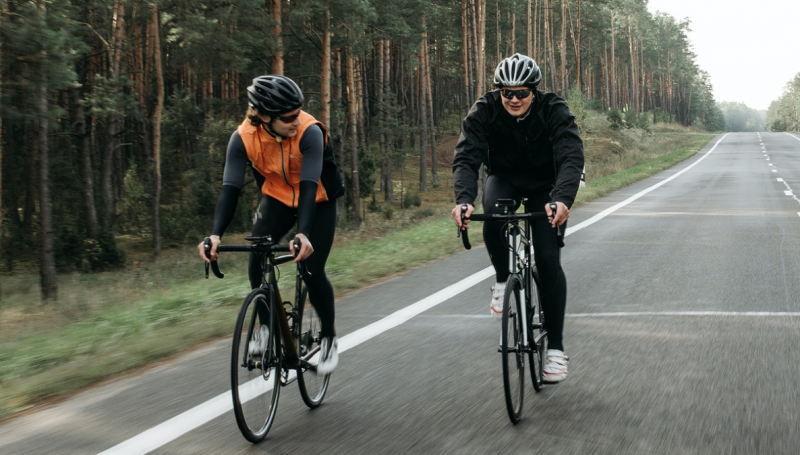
column 283, row 168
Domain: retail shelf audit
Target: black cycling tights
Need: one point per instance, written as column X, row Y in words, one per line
column 275, row 219
column 552, row 283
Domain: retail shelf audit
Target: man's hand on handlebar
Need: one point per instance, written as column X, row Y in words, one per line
column 215, row 241
column 561, row 213
column 305, row 248
column 456, row 215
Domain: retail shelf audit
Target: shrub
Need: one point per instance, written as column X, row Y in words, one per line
column 629, row 118
column 615, row 119
column 387, row 211
column 577, row 106
column 422, row 213
column 412, row 199
column 373, row 205
column 104, row 254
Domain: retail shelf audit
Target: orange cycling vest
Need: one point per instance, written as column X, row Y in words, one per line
column 280, row 161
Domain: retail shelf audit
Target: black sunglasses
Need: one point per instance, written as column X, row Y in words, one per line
column 288, row 118
column 520, row 94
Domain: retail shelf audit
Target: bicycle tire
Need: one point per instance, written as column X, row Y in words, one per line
column 312, row 386
column 255, row 380
column 512, row 350
column 538, row 352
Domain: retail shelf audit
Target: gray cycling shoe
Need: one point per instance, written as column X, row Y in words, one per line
column 329, row 355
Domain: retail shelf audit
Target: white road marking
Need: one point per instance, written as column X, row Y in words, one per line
column 780, row 179
column 644, row 313
column 685, row 313
column 774, row 170
column 788, row 192
column 181, row 424
column 792, row 135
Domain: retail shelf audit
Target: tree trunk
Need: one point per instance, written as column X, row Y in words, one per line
column 109, row 201
column 634, row 79
column 513, row 37
column 87, row 181
column 499, row 37
column 47, row 264
column 325, row 77
column 529, row 31
column 482, row 45
column 359, row 81
column 429, row 96
column 352, row 114
column 536, row 31
column 563, row 51
column 465, row 55
column 277, row 53
column 2, row 19
column 31, row 142
column 423, row 122
column 613, row 65
column 578, row 66
column 476, row 50
column 388, row 195
column 157, row 131
column 338, row 133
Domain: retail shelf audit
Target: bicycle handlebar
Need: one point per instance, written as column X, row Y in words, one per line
column 498, row 216
column 260, row 244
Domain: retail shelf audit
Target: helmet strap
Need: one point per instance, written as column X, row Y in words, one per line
column 268, row 128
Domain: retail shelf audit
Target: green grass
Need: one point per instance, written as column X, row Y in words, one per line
column 108, row 323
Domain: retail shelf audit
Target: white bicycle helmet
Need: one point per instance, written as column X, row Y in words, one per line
column 517, row 71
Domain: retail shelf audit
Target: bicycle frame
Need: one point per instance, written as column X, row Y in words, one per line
column 266, row 250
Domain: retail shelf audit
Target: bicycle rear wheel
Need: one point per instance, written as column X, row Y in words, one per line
column 537, row 336
column 256, row 366
column 313, row 386
column 512, row 350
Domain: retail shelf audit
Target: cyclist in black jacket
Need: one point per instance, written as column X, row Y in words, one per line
column 531, row 147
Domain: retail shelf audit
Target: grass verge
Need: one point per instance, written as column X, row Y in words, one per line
column 112, row 322
column 621, row 179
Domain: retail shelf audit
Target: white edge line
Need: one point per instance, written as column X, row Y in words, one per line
column 185, row 422
column 636, row 196
column 684, row 313
column 792, row 135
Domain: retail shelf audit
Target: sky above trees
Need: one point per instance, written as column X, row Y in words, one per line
column 748, row 48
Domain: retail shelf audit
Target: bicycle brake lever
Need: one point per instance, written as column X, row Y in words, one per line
column 554, row 209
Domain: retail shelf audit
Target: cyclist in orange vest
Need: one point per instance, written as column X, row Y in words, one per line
column 292, row 160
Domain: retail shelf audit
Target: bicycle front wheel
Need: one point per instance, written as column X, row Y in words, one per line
column 312, row 385
column 256, row 366
column 511, row 347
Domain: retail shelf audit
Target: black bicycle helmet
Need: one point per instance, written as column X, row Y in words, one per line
column 517, row 71
column 274, row 95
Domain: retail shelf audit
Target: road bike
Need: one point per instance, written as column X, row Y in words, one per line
column 523, row 333
column 275, row 343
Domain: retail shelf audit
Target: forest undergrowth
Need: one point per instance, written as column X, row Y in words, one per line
column 106, row 323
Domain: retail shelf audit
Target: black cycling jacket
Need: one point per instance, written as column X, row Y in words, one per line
column 540, row 151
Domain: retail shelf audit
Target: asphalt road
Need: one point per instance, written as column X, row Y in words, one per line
column 683, row 333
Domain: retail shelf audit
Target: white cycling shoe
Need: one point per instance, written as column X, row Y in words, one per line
column 329, row 355
column 258, row 343
column 555, row 369
column 498, row 295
